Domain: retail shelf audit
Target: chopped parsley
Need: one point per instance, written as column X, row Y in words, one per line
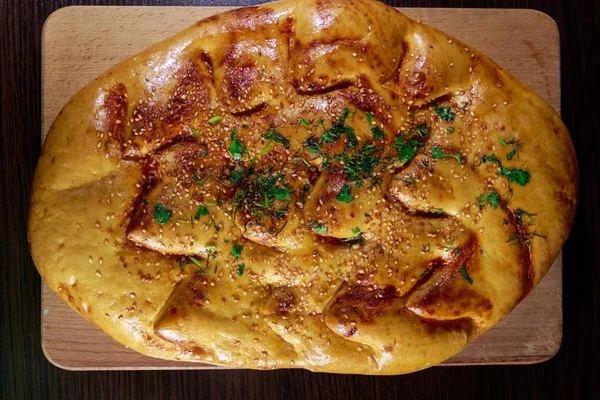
column 425, row 273
column 360, row 165
column 201, row 211
column 338, row 129
column 492, row 198
column 345, row 194
column 378, row 134
column 451, row 129
column 258, row 194
column 421, row 130
column 463, row 272
column 406, row 149
column 240, row 269
column 312, row 145
column 194, row 131
column 305, row 123
column 516, row 147
column 517, row 175
column 236, row 176
column 162, row 214
column 317, row 227
column 145, row 201
column 236, row 147
column 214, row 119
column 439, row 211
column 276, row 137
column 444, row 112
column 439, row 154
column 236, row 251
column 356, row 230
column 369, row 117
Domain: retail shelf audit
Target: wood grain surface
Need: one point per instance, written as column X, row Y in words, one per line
column 26, row 374
column 79, row 43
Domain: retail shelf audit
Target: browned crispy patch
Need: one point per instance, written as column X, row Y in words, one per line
column 156, row 122
column 362, row 303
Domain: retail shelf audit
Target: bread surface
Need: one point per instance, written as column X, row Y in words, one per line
column 318, row 184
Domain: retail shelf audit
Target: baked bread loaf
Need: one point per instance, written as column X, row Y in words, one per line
column 314, row 184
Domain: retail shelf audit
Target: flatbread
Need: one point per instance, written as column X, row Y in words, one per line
column 318, row 184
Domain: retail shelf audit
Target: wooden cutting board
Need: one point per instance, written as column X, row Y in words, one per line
column 79, row 43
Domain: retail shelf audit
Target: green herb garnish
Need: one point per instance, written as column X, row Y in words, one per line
column 451, row 129
column 317, row 227
column 369, row 117
column 236, row 251
column 493, row 198
column 516, row 147
column 302, row 160
column 195, row 261
column 162, row 214
column 361, row 164
column 265, row 150
column 345, row 194
column 409, row 180
column 378, row 134
column 236, row 147
column 407, row 149
column 517, row 175
column 526, row 239
column 259, row 193
column 240, row 269
column 338, row 129
column 444, row 112
column 236, row 176
column 355, row 230
column 312, row 145
column 276, row 137
column 463, row 272
column 194, row 131
column 305, row 123
column 145, row 201
column 524, row 218
column 214, row 119
column 421, row 130
column 439, row 154
column 201, row 211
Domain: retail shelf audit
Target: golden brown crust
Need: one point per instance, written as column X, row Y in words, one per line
column 395, row 276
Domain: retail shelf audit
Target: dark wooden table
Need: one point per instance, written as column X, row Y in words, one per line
column 25, row 374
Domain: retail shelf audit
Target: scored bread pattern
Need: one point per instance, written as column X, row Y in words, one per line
column 223, row 126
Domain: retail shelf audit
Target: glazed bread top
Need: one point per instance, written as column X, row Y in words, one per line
column 316, row 184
